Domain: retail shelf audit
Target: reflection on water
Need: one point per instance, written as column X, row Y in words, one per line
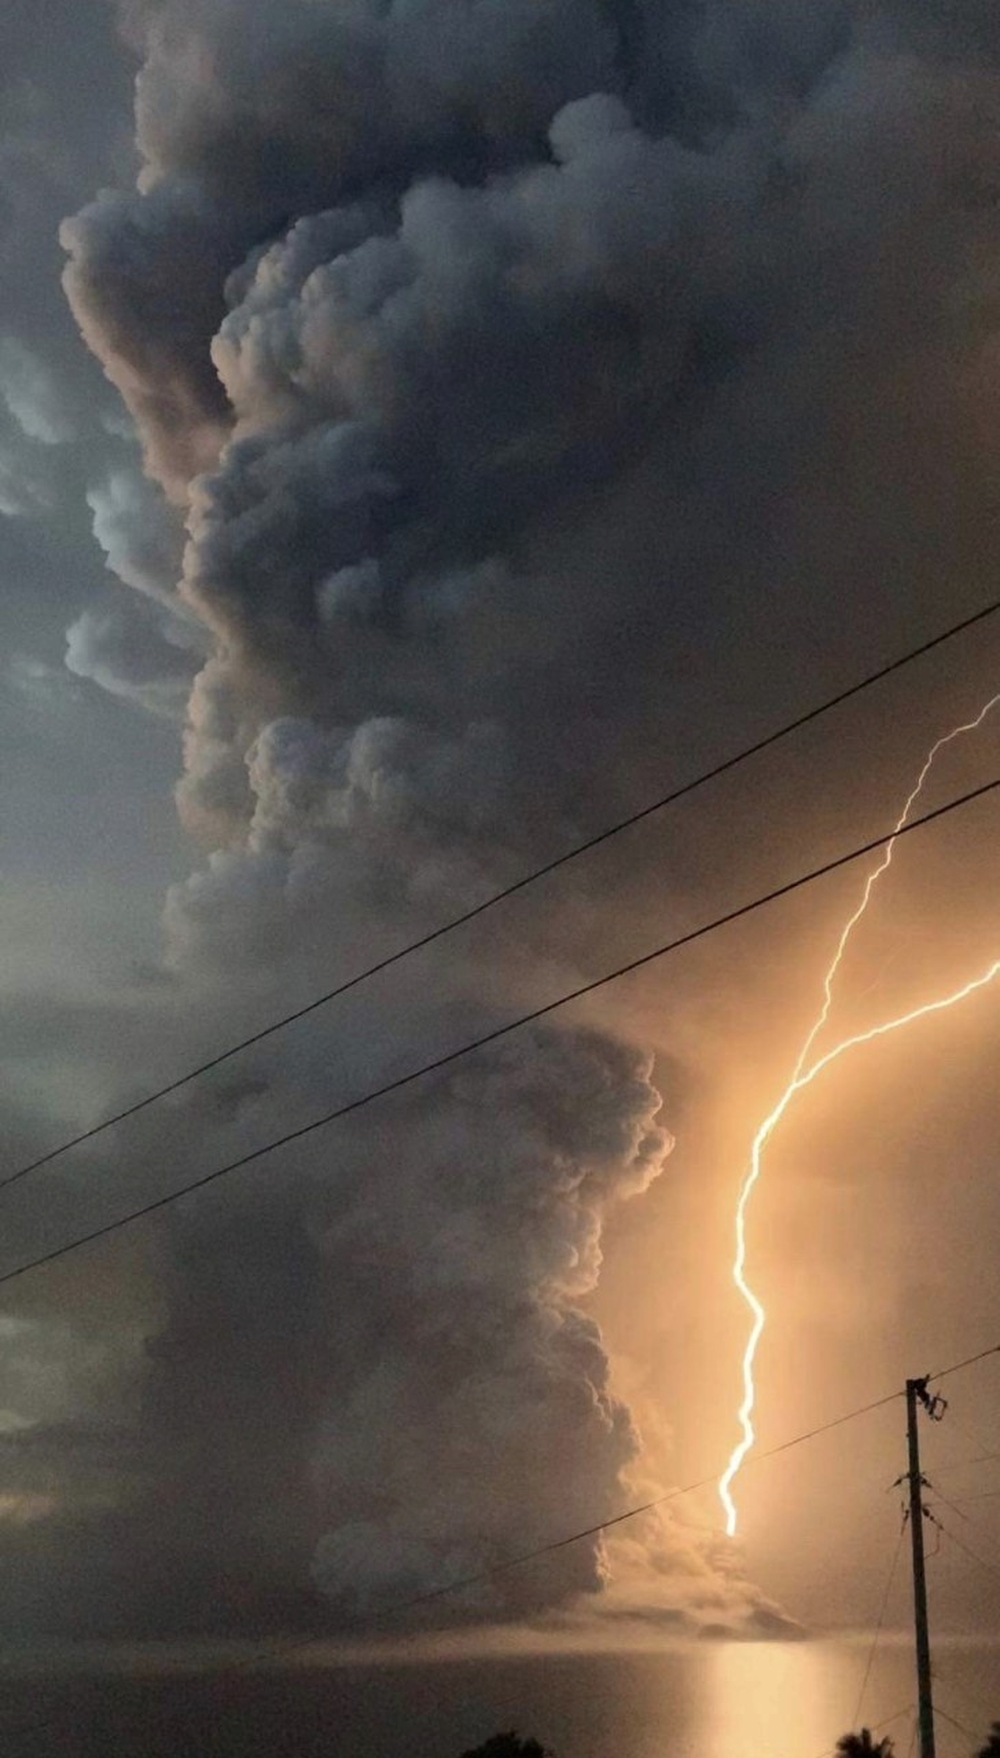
column 764, row 1700
column 753, row 1700
column 782, row 1700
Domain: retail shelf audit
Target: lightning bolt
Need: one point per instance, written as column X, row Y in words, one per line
column 803, row 1074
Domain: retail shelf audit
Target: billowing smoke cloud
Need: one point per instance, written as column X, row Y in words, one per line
column 490, row 352
column 469, row 1246
column 381, row 1376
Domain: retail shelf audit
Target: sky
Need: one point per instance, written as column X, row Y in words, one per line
column 427, row 434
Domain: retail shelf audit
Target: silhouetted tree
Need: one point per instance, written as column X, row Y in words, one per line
column 992, row 1746
column 509, row 1746
column 863, row 1745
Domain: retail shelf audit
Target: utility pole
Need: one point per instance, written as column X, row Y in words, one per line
column 916, row 1393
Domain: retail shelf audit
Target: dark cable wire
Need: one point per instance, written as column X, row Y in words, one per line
column 881, row 1620
column 295, row 1644
column 943, row 1372
column 974, row 1439
column 572, row 854
column 994, row 1568
column 498, row 1032
column 944, row 1499
column 956, row 1509
column 962, row 1729
column 503, row 1031
column 976, row 1708
column 646, row 1507
column 964, row 1464
column 887, row 1720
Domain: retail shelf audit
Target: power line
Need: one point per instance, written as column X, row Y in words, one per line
column 295, row 1644
column 993, row 1568
column 967, row 1519
column 887, row 1720
column 977, row 1708
column 970, row 1434
column 964, row 1464
column 823, row 1428
column 962, row 1729
column 444, row 1061
column 949, row 1681
column 581, row 848
column 881, row 1620
column 943, row 1372
column 944, row 1499
column 646, row 1507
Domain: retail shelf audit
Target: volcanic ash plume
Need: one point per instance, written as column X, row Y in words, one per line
column 384, row 1364
column 465, row 342
column 471, row 1414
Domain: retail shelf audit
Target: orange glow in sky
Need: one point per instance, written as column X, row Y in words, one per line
column 803, row 1074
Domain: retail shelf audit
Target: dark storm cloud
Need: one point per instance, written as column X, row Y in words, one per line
column 426, row 1274
column 347, row 102
column 422, row 386
column 493, row 354
column 161, row 254
column 334, row 1345
column 481, row 1241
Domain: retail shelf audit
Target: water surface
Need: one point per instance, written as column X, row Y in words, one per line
column 748, row 1700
